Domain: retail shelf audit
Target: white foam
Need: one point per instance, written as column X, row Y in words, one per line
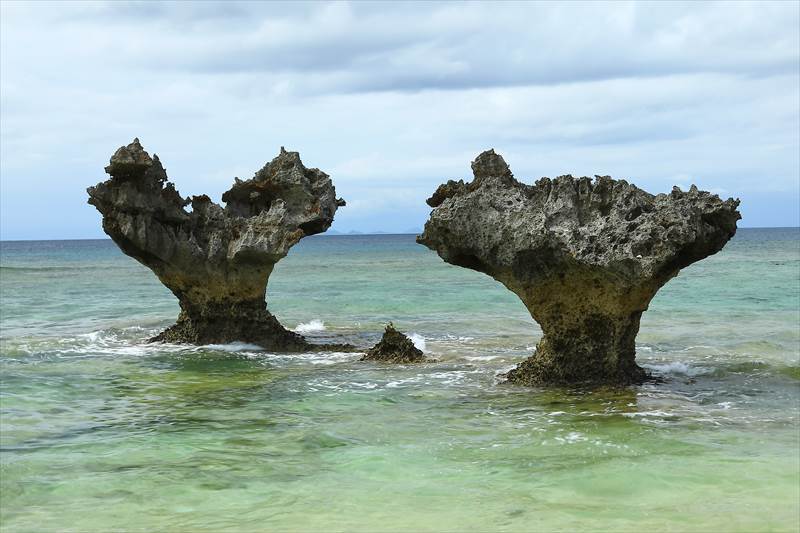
column 677, row 368
column 459, row 339
column 400, row 382
column 452, row 377
column 480, row 357
column 317, row 358
column 572, row 438
column 418, row 340
column 234, row 347
column 93, row 336
column 307, row 327
column 647, row 414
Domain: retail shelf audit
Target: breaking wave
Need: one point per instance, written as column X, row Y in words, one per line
column 418, row 340
column 233, row 347
column 308, row 327
column 676, row 368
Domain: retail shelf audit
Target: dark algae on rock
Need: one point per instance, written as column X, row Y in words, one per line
column 394, row 347
column 216, row 260
column 585, row 256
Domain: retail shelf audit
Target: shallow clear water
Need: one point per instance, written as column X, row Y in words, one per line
column 103, row 432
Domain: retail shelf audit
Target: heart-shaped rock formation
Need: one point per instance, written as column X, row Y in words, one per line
column 215, row 260
column 585, row 256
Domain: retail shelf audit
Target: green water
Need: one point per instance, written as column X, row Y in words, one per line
column 101, row 432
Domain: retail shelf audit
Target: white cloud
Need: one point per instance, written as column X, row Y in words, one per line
column 392, row 99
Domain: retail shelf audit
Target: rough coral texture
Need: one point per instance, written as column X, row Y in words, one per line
column 585, row 256
column 215, row 260
column 394, row 347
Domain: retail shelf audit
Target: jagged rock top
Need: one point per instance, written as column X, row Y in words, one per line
column 508, row 229
column 263, row 218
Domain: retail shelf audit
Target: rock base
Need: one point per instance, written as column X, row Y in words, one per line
column 236, row 322
column 583, row 343
column 547, row 367
column 265, row 331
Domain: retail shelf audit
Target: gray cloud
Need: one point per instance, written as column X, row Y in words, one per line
column 395, row 47
column 391, row 98
column 364, row 47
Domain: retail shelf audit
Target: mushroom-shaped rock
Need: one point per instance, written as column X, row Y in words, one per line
column 394, row 347
column 585, row 256
column 215, row 260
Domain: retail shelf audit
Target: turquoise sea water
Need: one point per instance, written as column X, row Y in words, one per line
column 102, row 432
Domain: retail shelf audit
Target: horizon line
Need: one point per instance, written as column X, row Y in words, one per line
column 325, row 234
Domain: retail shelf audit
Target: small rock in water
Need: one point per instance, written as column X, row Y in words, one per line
column 394, row 347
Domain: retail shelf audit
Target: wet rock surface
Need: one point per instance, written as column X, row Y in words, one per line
column 585, row 256
column 216, row 260
column 394, row 347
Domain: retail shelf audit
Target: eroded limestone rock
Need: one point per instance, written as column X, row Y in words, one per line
column 394, row 347
column 215, row 260
column 584, row 256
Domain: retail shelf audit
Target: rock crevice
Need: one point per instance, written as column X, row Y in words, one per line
column 215, row 260
column 585, row 256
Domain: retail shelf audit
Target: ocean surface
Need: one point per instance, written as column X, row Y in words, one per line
column 103, row 432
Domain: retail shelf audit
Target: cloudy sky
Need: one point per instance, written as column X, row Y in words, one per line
column 392, row 99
